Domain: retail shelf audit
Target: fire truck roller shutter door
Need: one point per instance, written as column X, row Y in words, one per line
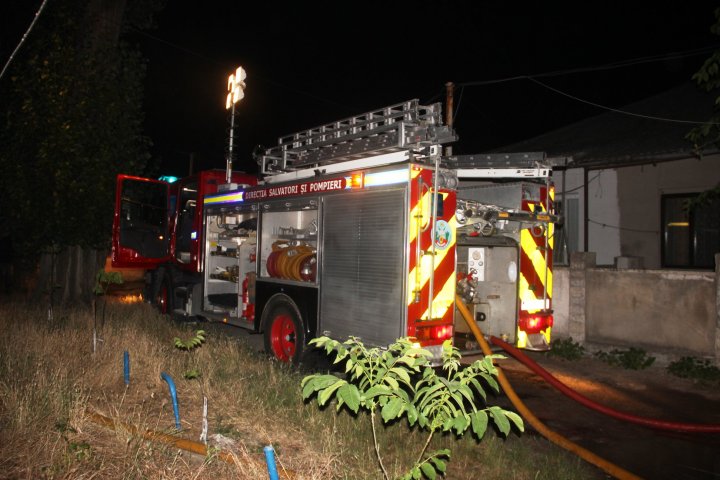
column 282, row 324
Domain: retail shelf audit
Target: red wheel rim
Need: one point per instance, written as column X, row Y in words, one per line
column 282, row 337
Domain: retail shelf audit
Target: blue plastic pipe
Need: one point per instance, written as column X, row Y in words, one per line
column 173, row 394
column 270, row 459
column 126, row 365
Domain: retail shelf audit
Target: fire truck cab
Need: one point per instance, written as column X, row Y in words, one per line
column 158, row 227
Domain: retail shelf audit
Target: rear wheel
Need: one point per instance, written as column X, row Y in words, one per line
column 163, row 299
column 283, row 330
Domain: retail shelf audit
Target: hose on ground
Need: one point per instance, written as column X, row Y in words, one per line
column 645, row 422
column 551, row 435
column 181, row 443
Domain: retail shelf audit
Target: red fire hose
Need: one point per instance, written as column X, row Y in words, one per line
column 645, row 422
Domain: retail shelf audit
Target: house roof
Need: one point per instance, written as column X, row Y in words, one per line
column 615, row 139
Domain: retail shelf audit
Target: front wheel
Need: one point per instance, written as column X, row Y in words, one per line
column 283, row 330
column 163, row 299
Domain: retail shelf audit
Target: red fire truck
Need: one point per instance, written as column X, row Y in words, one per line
column 158, row 227
column 352, row 231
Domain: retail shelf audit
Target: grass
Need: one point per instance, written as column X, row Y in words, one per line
column 567, row 349
column 694, row 368
column 50, row 379
column 630, row 359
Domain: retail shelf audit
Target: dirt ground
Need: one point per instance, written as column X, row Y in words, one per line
column 651, row 393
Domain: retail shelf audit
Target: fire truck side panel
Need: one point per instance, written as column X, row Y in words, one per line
column 431, row 269
column 363, row 263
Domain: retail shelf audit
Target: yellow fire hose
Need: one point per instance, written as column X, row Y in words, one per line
column 554, row 437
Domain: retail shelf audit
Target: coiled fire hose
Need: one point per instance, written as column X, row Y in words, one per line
column 551, row 435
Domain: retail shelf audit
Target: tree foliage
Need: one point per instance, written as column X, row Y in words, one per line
column 708, row 78
column 71, row 120
column 399, row 382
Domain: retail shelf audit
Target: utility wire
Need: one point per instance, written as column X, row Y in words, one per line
column 608, row 66
column 24, row 37
column 621, row 64
column 624, row 112
column 656, row 232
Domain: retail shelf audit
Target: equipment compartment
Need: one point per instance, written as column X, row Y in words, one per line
column 231, row 249
column 289, row 241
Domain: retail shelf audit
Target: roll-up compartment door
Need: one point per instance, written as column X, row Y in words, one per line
column 363, row 249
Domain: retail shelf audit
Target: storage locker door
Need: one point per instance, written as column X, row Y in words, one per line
column 362, row 286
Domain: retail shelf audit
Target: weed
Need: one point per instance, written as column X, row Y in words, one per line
column 696, row 369
column 386, row 382
column 50, row 379
column 566, row 349
column 631, row 359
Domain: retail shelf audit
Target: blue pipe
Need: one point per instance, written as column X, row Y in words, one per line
column 173, row 394
column 270, row 460
column 126, row 365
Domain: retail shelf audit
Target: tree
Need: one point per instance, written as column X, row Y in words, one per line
column 708, row 78
column 708, row 134
column 72, row 119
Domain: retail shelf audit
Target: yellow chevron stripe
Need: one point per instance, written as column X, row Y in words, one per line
column 551, row 226
column 418, row 278
column 418, row 223
column 537, row 258
column 443, row 300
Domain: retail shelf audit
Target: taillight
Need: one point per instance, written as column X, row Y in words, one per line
column 535, row 323
column 433, row 333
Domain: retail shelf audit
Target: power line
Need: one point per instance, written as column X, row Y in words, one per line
column 616, row 110
column 605, row 225
column 24, row 37
column 607, row 66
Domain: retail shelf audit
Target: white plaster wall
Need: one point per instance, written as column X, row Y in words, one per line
column 640, row 191
column 604, row 216
column 603, row 210
column 561, row 301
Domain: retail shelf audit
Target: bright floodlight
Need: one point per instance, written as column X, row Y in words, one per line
column 236, row 86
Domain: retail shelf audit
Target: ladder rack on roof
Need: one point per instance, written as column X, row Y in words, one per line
column 406, row 126
column 499, row 165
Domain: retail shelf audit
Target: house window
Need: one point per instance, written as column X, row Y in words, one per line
column 691, row 232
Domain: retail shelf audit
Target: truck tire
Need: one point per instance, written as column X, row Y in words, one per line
column 284, row 332
column 164, row 297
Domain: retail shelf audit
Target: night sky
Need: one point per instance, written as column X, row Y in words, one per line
column 310, row 63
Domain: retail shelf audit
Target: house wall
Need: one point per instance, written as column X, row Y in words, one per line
column 603, row 210
column 666, row 309
column 639, row 192
column 659, row 310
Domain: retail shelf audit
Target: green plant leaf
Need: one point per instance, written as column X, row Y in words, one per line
column 350, row 394
column 498, row 415
column 327, row 393
column 460, row 424
column 479, row 421
column 392, row 409
column 440, row 465
column 516, row 419
column 429, row 471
